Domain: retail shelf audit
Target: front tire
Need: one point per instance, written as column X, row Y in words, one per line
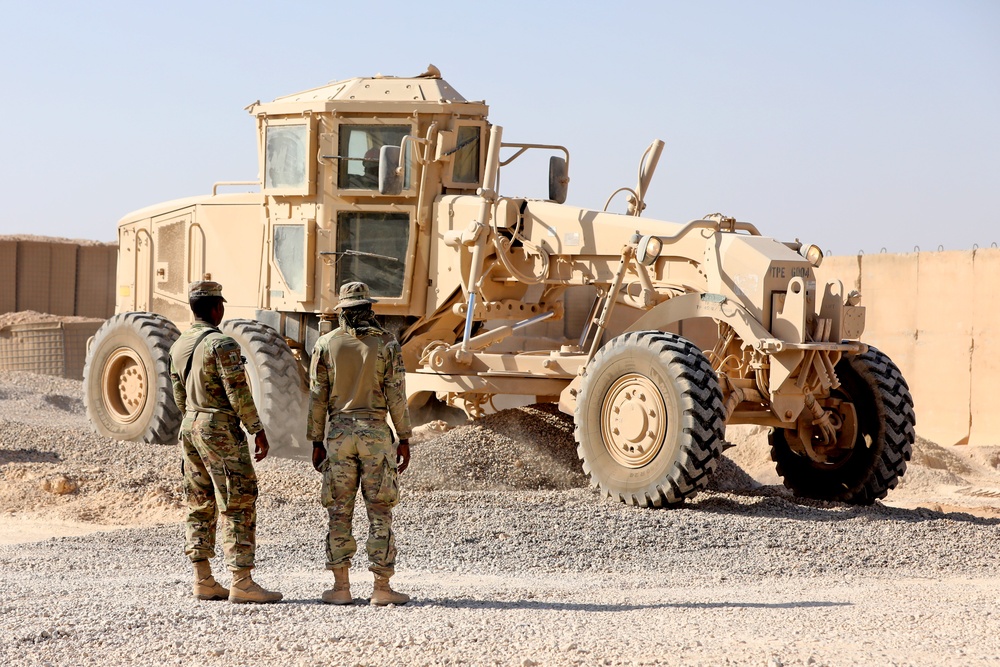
column 277, row 384
column 649, row 419
column 126, row 379
column 881, row 449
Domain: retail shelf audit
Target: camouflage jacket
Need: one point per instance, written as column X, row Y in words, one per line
column 351, row 375
column 217, row 381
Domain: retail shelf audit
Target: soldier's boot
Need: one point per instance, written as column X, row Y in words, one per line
column 341, row 591
column 383, row 594
column 205, row 585
column 245, row 589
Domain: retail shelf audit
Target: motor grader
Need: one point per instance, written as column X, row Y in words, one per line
column 654, row 335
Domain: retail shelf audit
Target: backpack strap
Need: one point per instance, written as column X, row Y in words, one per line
column 187, row 367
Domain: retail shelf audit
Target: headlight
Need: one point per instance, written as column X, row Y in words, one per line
column 813, row 254
column 648, row 249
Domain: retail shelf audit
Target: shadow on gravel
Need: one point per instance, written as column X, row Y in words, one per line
column 27, row 456
column 66, row 403
column 466, row 603
column 788, row 507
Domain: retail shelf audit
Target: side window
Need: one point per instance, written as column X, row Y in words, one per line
column 466, row 162
column 285, row 158
column 359, row 150
column 371, row 248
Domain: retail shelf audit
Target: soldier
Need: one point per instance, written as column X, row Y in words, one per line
column 356, row 378
column 210, row 388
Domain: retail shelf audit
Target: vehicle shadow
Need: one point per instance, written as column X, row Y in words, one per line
column 27, row 456
column 540, row 605
column 777, row 501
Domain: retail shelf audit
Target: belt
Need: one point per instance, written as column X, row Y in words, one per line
column 359, row 416
column 200, row 415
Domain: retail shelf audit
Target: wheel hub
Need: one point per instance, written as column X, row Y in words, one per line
column 124, row 385
column 633, row 420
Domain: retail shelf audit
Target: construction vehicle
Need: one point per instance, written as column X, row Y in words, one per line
column 654, row 335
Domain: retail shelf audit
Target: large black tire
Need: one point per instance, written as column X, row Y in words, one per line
column 884, row 442
column 649, row 419
column 278, row 386
column 126, row 379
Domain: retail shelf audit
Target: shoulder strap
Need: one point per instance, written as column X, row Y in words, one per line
column 194, row 350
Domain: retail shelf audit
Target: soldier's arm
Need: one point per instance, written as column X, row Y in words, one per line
column 180, row 393
column 319, row 395
column 234, row 381
column 394, row 388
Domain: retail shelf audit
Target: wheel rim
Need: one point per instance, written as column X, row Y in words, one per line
column 633, row 420
column 124, row 385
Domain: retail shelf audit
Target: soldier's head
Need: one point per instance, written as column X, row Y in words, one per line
column 354, row 295
column 206, row 301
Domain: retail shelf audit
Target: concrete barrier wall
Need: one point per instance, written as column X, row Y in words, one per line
column 935, row 314
column 60, row 278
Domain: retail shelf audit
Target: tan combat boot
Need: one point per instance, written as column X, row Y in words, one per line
column 245, row 589
column 383, row 595
column 341, row 591
column 205, row 585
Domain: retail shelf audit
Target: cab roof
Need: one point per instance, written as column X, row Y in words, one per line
column 424, row 92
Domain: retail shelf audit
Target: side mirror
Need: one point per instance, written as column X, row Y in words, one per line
column 390, row 180
column 558, row 179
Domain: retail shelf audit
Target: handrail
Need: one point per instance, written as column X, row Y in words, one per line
column 215, row 186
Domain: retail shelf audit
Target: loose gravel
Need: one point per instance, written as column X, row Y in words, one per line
column 508, row 564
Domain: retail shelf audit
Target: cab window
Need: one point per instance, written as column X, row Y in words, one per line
column 359, row 150
column 371, row 248
column 285, row 159
column 466, row 163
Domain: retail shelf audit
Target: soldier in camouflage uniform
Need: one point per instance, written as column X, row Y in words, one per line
column 356, row 379
column 211, row 389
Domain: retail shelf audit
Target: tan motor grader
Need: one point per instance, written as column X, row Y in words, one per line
column 654, row 335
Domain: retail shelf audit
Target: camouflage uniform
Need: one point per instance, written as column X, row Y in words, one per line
column 357, row 378
column 218, row 473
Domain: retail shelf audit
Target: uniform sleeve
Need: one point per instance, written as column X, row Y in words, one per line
column 180, row 393
column 394, row 387
column 319, row 394
column 234, row 380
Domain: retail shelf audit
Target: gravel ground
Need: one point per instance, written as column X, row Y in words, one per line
column 510, row 567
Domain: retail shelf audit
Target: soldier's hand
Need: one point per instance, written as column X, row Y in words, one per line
column 402, row 454
column 260, row 446
column 319, row 454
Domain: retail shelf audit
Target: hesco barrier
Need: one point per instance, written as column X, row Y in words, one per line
column 57, row 277
column 47, row 348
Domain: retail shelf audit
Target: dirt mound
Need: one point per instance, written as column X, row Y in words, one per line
column 520, row 448
column 53, row 239
column 32, row 317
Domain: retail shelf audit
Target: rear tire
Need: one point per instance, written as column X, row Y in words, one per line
column 126, row 379
column 649, row 419
column 881, row 449
column 277, row 384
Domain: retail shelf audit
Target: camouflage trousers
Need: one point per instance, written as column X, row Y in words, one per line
column 360, row 453
column 219, row 479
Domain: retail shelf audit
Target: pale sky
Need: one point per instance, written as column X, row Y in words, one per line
column 855, row 125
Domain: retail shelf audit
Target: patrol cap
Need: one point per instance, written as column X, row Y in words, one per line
column 203, row 288
column 353, row 294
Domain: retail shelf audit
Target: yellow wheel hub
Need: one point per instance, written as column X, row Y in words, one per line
column 124, row 385
column 633, row 420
